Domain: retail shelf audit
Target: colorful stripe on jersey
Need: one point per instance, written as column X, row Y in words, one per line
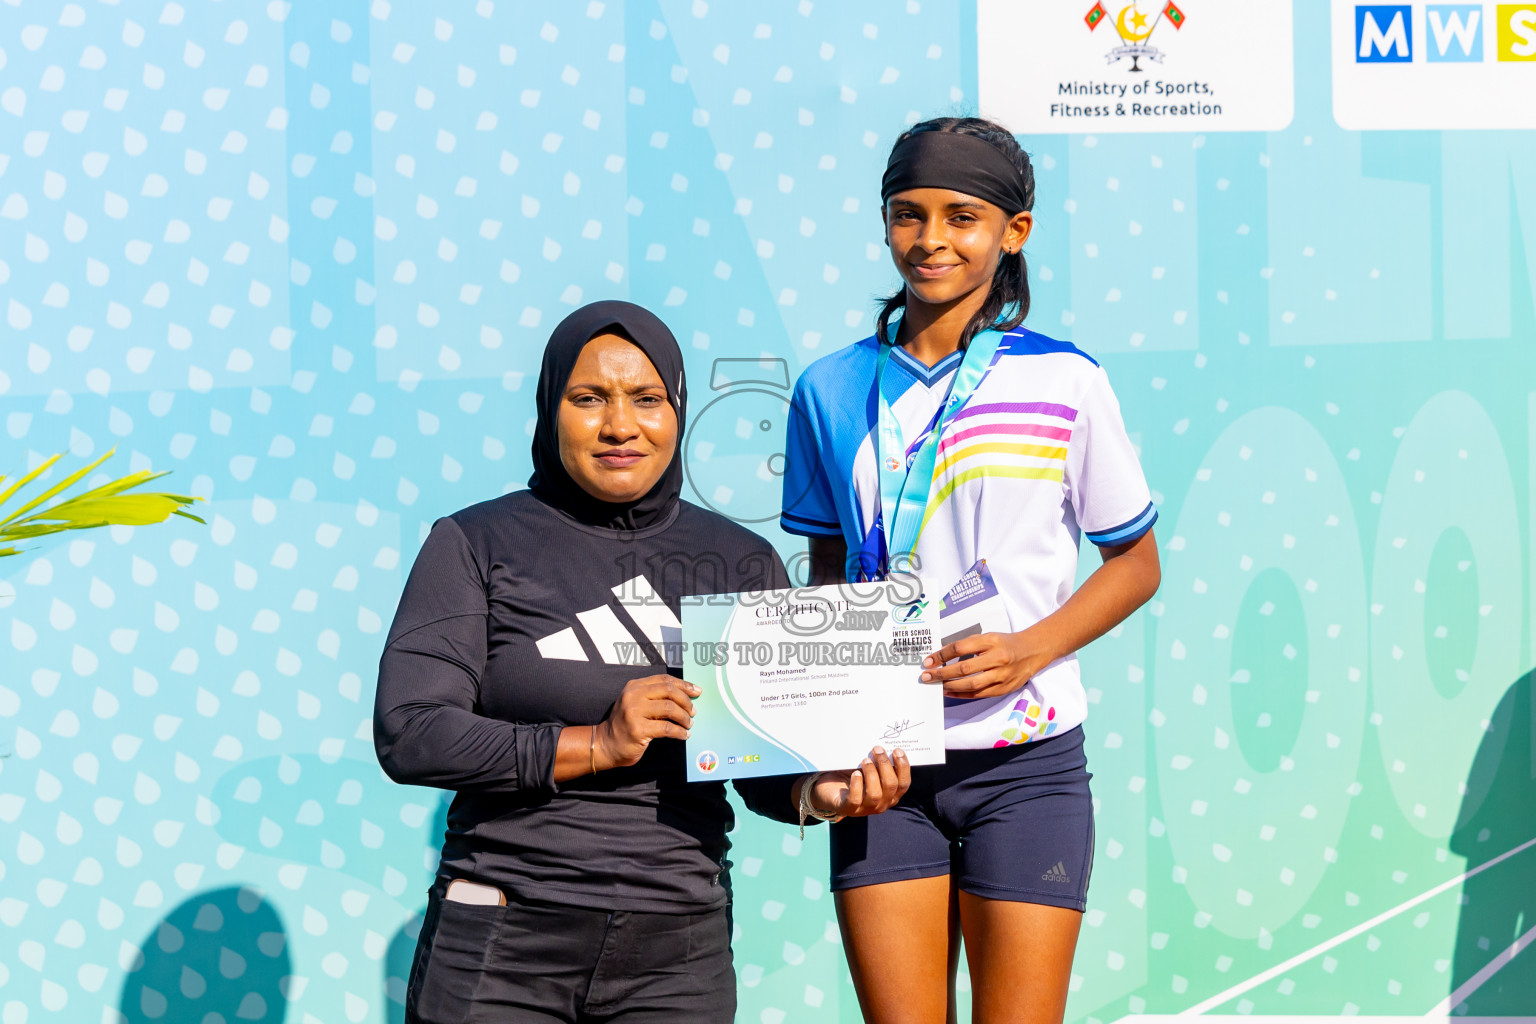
column 1031, row 449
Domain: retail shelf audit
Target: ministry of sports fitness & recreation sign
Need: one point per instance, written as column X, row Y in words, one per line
column 1178, row 66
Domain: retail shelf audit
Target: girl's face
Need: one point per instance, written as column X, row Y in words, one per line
column 946, row 244
column 616, row 428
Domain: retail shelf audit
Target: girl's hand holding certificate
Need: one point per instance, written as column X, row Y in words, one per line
column 985, row 665
column 989, row 664
column 874, row 786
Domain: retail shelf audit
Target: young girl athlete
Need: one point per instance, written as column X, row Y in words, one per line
column 957, row 440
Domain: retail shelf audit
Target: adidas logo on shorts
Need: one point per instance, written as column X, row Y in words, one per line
column 1056, row 874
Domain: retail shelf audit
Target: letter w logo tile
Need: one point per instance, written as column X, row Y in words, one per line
column 618, row 629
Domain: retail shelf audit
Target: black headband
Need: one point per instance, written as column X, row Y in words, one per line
column 963, row 163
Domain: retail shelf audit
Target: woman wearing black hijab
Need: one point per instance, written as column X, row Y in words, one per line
column 581, row 879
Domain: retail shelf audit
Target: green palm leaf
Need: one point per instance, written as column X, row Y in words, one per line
column 106, row 505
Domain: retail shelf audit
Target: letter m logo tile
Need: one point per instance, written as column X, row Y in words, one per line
column 1383, row 34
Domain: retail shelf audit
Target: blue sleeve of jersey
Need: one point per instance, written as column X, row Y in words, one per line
column 809, row 508
column 1127, row 531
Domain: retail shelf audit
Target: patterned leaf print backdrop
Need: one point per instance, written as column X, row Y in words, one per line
column 305, row 255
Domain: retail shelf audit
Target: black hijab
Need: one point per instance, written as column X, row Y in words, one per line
column 550, row 481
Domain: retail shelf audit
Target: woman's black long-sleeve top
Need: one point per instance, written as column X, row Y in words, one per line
column 517, row 620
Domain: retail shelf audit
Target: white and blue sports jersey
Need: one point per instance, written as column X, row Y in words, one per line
column 1035, row 458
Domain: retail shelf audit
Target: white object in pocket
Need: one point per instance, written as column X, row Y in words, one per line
column 462, row 891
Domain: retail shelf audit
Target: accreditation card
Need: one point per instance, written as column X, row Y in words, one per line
column 810, row 679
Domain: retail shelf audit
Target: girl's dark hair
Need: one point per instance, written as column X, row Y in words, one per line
column 1010, row 281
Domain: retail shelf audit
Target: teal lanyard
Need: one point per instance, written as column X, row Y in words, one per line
column 906, row 480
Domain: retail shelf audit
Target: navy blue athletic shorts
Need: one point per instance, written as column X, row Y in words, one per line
column 1012, row 823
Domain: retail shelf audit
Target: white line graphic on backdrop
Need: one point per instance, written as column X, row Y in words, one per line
column 1300, row 958
column 1322, row 1018
column 1475, row 982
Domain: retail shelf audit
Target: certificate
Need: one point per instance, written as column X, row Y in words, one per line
column 810, row 679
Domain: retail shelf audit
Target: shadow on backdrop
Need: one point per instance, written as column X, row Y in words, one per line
column 219, row 958
column 402, row 948
column 1499, row 905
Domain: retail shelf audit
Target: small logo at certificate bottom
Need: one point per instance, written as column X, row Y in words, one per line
column 708, row 762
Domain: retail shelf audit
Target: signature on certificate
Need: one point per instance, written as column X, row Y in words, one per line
column 897, row 729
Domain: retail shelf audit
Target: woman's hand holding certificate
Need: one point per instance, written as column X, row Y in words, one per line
column 649, row 708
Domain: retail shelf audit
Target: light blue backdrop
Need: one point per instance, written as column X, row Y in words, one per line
column 306, row 255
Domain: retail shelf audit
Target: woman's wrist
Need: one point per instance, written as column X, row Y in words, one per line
column 582, row 750
column 575, row 753
column 601, row 759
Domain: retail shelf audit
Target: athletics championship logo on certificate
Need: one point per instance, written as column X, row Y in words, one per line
column 1139, row 66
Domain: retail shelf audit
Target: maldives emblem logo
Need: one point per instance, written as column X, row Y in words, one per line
column 1135, row 29
column 708, row 761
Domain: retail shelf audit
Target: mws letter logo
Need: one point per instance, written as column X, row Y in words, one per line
column 1434, row 66
column 1447, row 33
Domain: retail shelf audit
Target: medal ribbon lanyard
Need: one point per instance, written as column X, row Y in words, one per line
column 907, row 479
